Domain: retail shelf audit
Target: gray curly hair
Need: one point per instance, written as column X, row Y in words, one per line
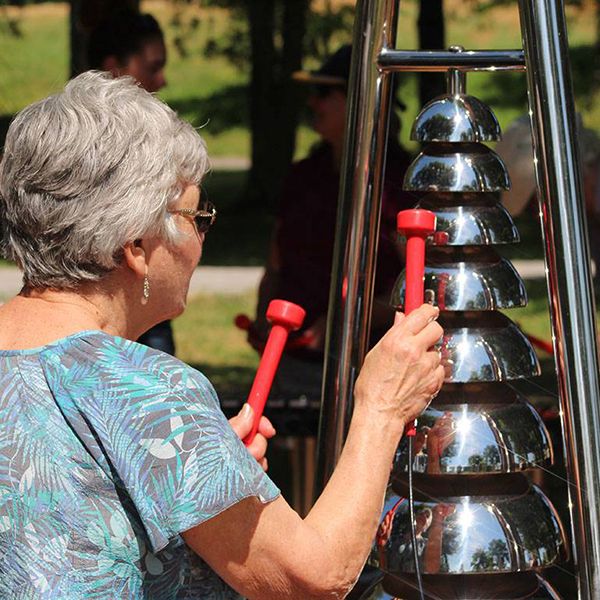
column 86, row 171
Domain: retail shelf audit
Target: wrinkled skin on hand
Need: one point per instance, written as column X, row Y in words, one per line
column 403, row 372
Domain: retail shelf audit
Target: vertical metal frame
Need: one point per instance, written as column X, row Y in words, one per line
column 560, row 189
column 560, row 186
column 357, row 234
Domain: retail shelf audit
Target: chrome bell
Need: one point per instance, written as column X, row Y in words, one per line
column 471, row 587
column 479, row 346
column 479, row 280
column 456, row 118
column 497, row 431
column 470, row 220
column 470, row 535
column 457, row 168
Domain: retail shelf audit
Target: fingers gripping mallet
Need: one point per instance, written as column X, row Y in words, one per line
column 416, row 225
column 285, row 317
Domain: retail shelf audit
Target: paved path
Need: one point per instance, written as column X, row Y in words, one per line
column 229, row 163
column 234, row 280
column 206, row 280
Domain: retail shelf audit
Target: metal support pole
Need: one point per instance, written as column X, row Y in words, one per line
column 442, row 60
column 358, row 220
column 570, row 287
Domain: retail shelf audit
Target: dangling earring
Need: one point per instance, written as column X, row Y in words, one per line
column 146, row 290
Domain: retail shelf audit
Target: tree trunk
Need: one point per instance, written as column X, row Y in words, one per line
column 85, row 15
column 274, row 105
column 597, row 25
column 261, row 16
column 431, row 37
column 290, row 100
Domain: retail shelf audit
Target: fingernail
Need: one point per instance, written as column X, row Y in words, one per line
column 246, row 411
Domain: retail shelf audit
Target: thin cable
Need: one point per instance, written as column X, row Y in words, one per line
column 411, row 509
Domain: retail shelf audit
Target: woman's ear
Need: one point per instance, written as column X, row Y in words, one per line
column 135, row 258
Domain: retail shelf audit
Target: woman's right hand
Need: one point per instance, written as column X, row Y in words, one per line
column 402, row 373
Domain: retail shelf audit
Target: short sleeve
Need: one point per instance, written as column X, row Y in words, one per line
column 155, row 425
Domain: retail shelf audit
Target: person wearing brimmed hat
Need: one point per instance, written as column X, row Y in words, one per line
column 300, row 261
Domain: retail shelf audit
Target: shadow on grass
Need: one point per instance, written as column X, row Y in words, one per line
column 530, row 230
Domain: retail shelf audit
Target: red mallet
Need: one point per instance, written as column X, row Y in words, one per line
column 242, row 322
column 285, row 317
column 416, row 225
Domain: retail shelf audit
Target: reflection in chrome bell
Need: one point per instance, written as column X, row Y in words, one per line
column 460, row 280
column 479, row 437
column 471, row 220
column 377, row 593
column 470, row 534
column 469, row 587
column 485, row 346
column 457, row 168
column 456, row 118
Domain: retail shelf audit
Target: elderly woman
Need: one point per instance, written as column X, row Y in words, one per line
column 119, row 475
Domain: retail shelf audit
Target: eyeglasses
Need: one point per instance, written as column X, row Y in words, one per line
column 203, row 217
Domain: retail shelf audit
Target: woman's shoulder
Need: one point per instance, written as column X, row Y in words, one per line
column 96, row 361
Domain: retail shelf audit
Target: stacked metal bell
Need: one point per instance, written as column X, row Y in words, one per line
column 482, row 530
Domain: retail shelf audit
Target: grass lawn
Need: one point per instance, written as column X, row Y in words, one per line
column 207, row 339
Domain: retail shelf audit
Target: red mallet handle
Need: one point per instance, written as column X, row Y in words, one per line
column 285, row 317
column 416, row 225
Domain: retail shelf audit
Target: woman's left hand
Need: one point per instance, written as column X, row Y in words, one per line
column 242, row 425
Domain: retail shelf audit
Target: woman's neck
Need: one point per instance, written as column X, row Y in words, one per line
column 37, row 317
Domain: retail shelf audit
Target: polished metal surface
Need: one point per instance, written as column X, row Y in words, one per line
column 470, row 220
column 378, row 593
column 572, row 308
column 357, row 230
column 478, row 437
column 440, row 60
column 457, row 168
column 456, row 118
column 485, row 347
column 467, row 281
column 470, row 534
column 465, row 587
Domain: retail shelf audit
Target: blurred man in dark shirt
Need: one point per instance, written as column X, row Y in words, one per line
column 301, row 255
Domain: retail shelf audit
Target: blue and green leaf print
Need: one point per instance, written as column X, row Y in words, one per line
column 108, row 451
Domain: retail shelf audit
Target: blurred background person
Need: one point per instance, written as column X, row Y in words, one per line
column 301, row 254
column 130, row 43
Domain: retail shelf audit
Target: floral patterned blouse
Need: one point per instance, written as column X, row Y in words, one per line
column 108, row 451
